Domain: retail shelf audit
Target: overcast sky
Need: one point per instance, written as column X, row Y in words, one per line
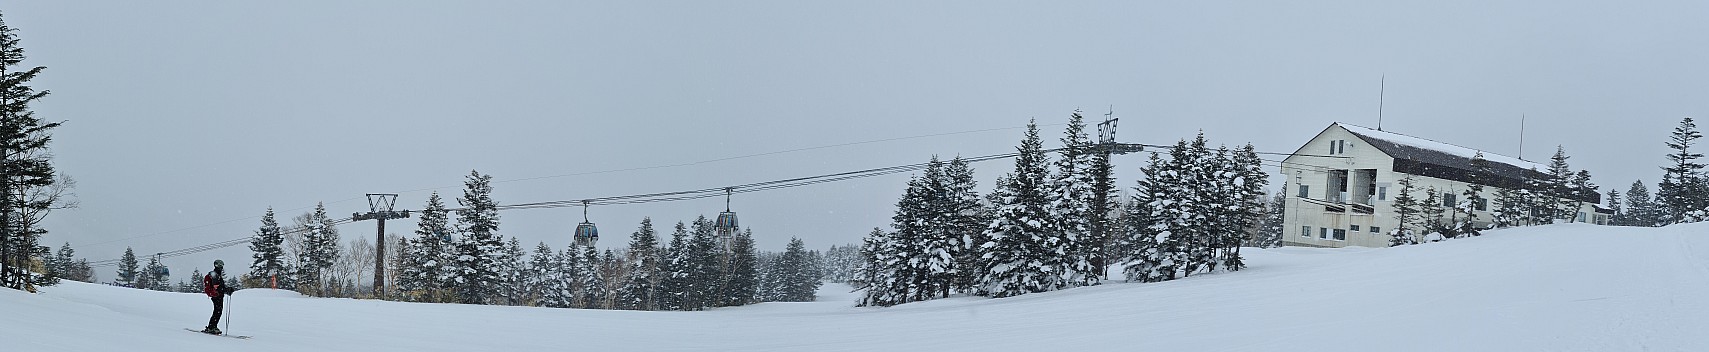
column 187, row 120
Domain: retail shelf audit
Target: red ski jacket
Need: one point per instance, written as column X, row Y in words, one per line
column 210, row 286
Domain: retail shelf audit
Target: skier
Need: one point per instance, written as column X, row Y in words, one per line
column 214, row 286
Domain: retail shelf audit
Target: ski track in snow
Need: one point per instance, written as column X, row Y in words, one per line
column 1569, row 287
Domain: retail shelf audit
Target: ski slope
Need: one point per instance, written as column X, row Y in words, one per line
column 1568, row 287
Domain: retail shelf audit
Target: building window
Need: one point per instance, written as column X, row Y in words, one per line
column 1353, row 227
column 1323, row 232
column 1375, row 229
column 1305, row 231
column 1340, row 235
column 1382, row 192
column 1448, row 200
column 1483, row 204
column 1581, row 216
column 1305, row 191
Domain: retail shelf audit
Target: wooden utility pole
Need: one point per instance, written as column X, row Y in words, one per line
column 380, row 209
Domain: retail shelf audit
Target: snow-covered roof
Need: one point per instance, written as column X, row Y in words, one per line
column 1396, row 140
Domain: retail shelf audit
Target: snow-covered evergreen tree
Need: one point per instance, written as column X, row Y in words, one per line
column 1070, row 209
column 430, row 264
column 537, row 275
column 1155, row 201
column 741, row 286
column 592, row 280
column 798, row 279
column 1023, row 249
column 480, row 248
column 562, row 280
column 640, row 286
column 675, row 271
column 512, row 276
column 1271, row 232
column 877, row 277
column 705, row 266
column 268, row 246
column 964, row 221
column 1247, row 208
column 320, row 251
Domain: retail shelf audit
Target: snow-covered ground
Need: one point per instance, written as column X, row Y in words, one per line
column 1555, row 288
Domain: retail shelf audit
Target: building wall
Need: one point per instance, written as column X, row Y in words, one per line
column 1308, row 223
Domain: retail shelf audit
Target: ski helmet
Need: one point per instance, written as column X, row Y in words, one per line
column 219, row 264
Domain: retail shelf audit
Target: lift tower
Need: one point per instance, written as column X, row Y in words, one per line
column 379, row 209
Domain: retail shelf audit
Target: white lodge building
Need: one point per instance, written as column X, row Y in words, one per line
column 1341, row 185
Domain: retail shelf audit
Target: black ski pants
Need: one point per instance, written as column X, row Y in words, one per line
column 219, row 305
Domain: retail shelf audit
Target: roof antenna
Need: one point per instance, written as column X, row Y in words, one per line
column 1521, row 136
column 1382, row 87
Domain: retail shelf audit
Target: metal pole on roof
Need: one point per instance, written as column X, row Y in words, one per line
column 1521, row 136
column 1382, row 87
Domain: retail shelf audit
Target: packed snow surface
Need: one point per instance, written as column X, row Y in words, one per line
column 1569, row 287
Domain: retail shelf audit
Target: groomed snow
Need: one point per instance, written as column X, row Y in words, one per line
column 1569, row 287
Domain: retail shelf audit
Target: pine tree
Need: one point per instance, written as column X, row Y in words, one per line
column 1409, row 213
column 27, row 165
column 59, row 264
column 799, row 282
column 154, row 276
column 541, row 269
column 127, row 275
column 916, row 237
column 1271, row 232
column 702, row 266
column 1248, row 208
column 1682, row 190
column 268, row 246
column 674, row 283
column 320, row 249
column 877, row 276
column 640, row 287
column 1640, row 210
column 742, row 285
column 1154, row 200
column 1017, row 255
column 480, row 248
column 1473, row 197
column 1509, row 208
column 592, row 282
column 964, row 222
column 512, row 274
column 562, row 279
column 430, row 266
column 1070, row 208
column 1559, row 190
column 1432, row 211
column 1615, row 205
column 1579, row 187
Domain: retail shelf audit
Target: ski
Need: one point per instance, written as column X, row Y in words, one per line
column 199, row 331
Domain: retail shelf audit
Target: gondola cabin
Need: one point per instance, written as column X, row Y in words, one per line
column 586, row 234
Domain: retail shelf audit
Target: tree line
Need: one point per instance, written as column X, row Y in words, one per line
column 458, row 256
column 1051, row 224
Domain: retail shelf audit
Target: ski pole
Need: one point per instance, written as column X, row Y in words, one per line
column 227, row 314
